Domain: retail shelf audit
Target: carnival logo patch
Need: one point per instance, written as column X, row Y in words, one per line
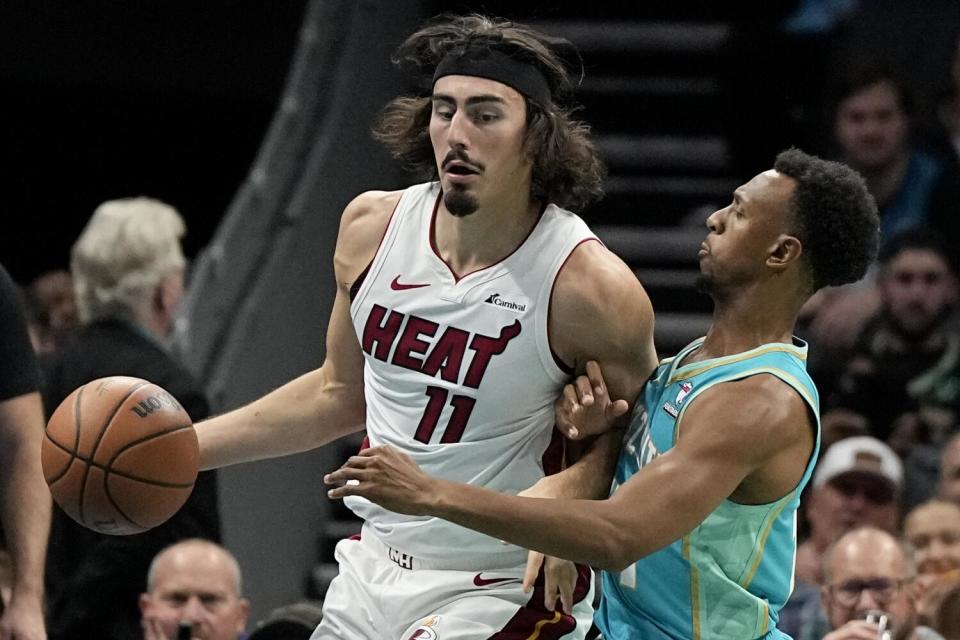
column 503, row 303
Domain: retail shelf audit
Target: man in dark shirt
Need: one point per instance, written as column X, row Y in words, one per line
column 128, row 271
column 24, row 498
column 904, row 376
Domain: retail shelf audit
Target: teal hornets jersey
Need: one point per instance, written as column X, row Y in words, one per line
column 729, row 577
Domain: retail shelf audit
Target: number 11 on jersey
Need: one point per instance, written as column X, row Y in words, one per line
column 437, row 398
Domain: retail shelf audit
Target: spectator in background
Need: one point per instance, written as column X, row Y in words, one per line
column 903, row 378
column 949, row 486
column 913, row 189
column 128, row 270
column 194, row 583
column 949, row 107
column 866, row 570
column 933, row 532
column 856, row 484
column 24, row 498
column 51, row 311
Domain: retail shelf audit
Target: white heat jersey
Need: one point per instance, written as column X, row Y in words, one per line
column 459, row 373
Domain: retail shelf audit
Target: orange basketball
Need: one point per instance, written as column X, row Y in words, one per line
column 120, row 455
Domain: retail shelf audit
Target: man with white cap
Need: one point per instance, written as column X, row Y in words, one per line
column 856, row 484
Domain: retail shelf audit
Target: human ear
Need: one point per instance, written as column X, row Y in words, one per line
column 785, row 251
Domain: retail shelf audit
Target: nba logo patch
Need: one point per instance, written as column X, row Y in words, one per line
column 673, row 408
column 426, row 630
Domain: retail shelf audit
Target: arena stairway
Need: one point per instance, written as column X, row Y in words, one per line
column 653, row 96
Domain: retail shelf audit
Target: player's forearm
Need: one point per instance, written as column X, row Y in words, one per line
column 26, row 521
column 574, row 529
column 26, row 502
column 590, row 476
column 305, row 413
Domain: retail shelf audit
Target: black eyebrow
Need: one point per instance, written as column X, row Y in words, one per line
column 442, row 97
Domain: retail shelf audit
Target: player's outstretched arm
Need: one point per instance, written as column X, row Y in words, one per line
column 25, row 513
column 326, row 403
column 748, row 441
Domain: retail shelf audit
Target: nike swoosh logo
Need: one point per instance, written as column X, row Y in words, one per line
column 397, row 286
column 480, row 581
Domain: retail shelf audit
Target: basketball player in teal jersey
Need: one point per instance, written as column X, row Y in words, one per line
column 697, row 538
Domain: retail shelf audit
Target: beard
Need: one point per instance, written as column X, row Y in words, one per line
column 459, row 202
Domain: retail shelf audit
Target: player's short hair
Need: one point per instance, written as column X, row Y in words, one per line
column 834, row 216
column 123, row 253
column 567, row 169
column 199, row 543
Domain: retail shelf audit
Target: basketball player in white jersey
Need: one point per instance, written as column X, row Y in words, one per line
column 463, row 306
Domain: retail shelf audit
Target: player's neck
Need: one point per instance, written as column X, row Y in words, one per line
column 486, row 236
column 748, row 319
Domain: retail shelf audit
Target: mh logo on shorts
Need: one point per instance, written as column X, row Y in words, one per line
column 401, row 559
column 497, row 301
column 426, row 630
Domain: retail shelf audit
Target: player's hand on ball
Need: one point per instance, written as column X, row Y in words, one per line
column 585, row 408
column 385, row 476
column 559, row 579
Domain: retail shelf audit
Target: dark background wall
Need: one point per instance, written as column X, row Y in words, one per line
column 102, row 99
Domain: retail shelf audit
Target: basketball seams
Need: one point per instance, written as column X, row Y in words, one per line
column 106, row 492
column 109, row 422
column 96, row 444
column 109, row 469
column 121, row 487
column 73, row 452
column 76, row 423
column 134, row 443
column 66, row 468
column 123, row 474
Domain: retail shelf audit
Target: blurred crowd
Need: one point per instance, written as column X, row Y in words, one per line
column 880, row 533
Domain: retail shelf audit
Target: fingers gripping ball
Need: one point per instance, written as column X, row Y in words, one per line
column 120, row 455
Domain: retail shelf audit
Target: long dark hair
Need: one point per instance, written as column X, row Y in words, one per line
column 567, row 169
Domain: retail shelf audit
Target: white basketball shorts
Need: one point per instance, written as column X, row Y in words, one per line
column 380, row 594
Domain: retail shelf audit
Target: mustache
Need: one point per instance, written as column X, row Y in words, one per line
column 461, row 156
